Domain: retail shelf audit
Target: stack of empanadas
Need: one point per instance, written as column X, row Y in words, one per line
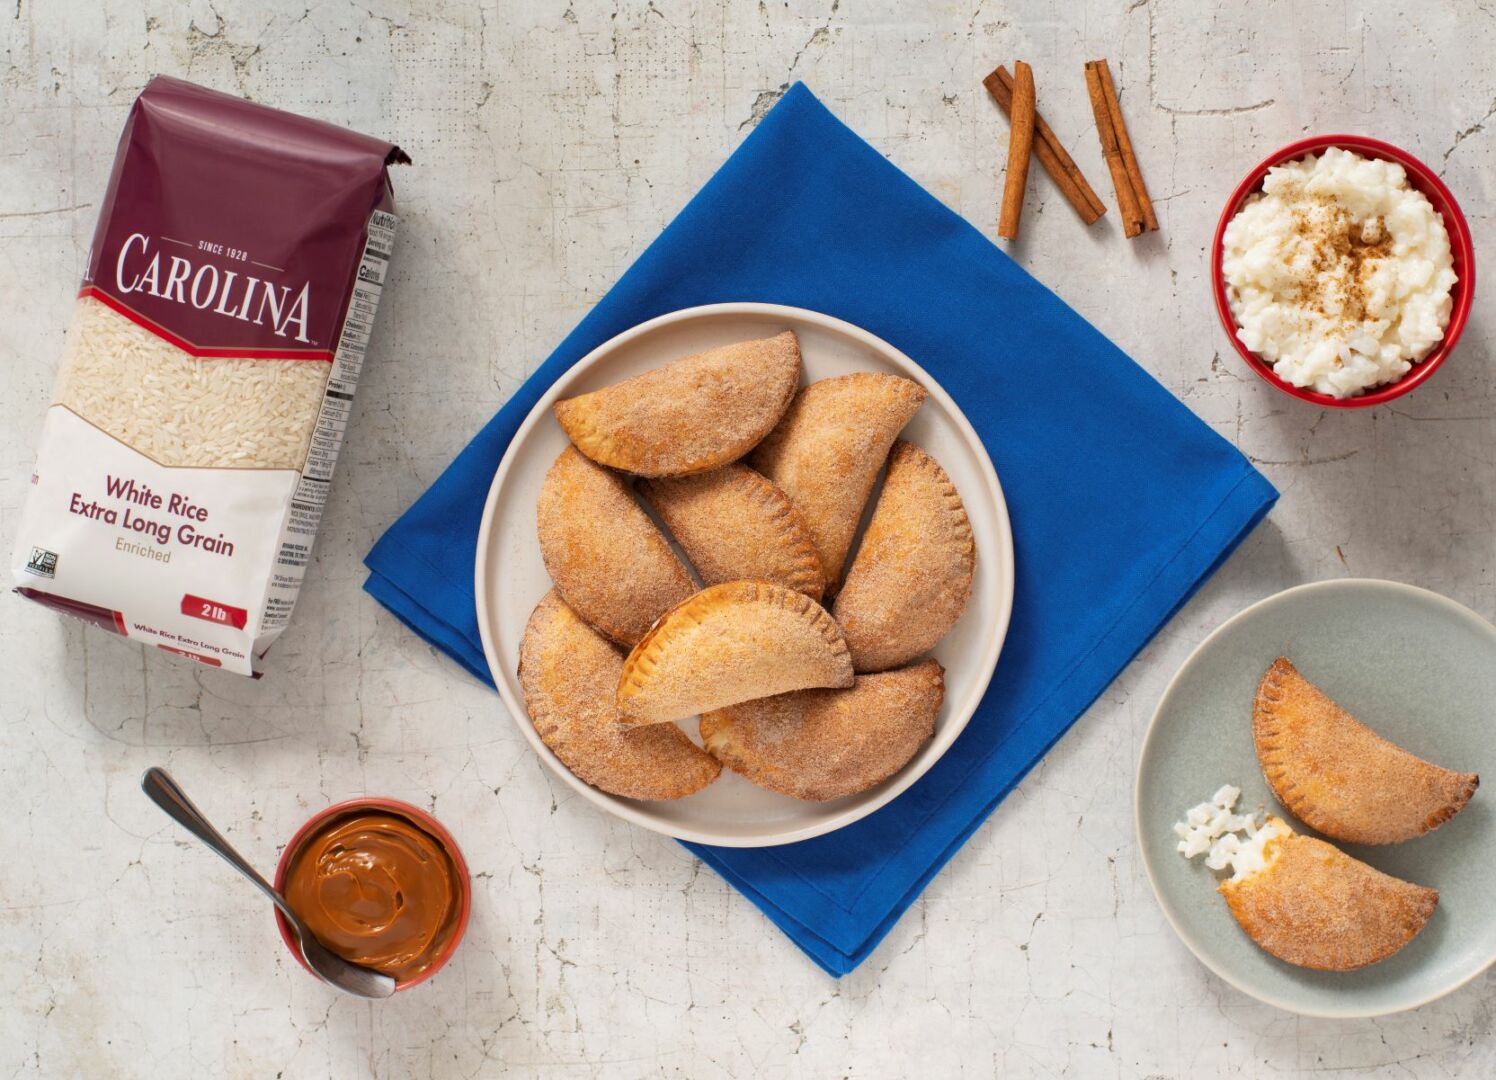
column 762, row 486
column 1302, row 899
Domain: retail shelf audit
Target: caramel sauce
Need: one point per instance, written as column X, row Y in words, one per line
column 377, row 889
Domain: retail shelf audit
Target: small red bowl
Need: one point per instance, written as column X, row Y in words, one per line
column 1423, row 179
column 389, row 806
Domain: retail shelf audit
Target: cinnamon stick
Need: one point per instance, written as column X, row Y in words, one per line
column 1020, row 145
column 1111, row 151
column 1061, row 167
column 1124, row 142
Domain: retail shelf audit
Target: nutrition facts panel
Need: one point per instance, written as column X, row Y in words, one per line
column 310, row 495
column 348, row 362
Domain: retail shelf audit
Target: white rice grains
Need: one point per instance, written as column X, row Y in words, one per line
column 182, row 410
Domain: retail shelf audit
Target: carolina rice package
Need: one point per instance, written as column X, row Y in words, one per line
column 208, row 374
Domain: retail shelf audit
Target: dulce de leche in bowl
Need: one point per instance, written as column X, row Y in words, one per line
column 380, row 883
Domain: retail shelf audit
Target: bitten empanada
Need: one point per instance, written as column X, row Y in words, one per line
column 731, row 643
column 1340, row 777
column 690, row 415
column 607, row 559
column 569, row 673
column 827, row 744
column 1312, row 905
column 736, row 525
column 826, row 452
column 913, row 572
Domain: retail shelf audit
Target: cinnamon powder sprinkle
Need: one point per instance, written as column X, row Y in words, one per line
column 1345, row 255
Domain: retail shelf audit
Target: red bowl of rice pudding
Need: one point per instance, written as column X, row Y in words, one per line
column 1311, row 289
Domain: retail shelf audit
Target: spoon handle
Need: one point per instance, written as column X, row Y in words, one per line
column 164, row 792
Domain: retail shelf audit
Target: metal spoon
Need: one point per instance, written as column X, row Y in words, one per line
column 330, row 968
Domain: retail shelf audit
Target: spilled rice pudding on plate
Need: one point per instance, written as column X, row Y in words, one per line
column 1338, row 273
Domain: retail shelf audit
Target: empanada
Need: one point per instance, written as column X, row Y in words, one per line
column 827, row 744
column 1312, row 905
column 569, row 673
column 609, row 562
column 691, row 415
column 826, row 453
column 913, row 572
column 735, row 525
column 731, row 643
column 1340, row 777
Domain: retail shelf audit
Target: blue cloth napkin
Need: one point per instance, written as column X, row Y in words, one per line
column 1122, row 501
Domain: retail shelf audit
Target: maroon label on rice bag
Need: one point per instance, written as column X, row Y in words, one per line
column 103, row 617
column 232, row 229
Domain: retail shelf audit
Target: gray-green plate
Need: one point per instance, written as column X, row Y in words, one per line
column 1418, row 669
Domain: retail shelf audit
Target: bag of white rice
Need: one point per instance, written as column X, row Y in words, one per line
column 208, row 375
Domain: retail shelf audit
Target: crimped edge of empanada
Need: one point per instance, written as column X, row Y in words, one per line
column 954, row 544
column 1276, row 757
column 646, row 656
column 686, row 770
column 630, row 453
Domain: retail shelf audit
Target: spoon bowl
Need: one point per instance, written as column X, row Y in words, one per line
column 333, row 969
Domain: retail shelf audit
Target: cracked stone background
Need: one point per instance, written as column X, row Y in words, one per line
column 551, row 145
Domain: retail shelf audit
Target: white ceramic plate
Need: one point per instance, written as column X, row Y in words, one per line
column 511, row 578
column 1415, row 667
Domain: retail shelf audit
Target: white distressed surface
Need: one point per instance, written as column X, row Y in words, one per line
column 552, row 145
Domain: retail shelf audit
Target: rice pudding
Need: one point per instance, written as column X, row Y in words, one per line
column 1338, row 272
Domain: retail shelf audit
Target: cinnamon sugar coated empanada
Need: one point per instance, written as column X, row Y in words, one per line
column 1340, row 777
column 731, row 643
column 826, row 453
column 913, row 572
column 690, row 415
column 736, row 525
column 570, row 677
column 607, row 559
column 1312, row 905
column 827, row 744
